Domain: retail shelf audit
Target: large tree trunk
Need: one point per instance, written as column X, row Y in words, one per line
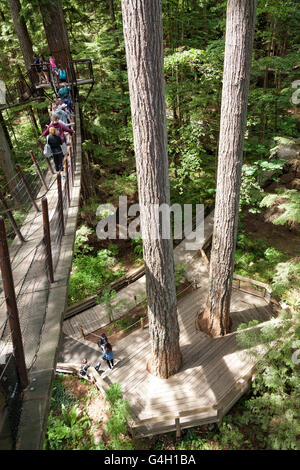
column 7, row 160
column 22, row 33
column 215, row 320
column 57, row 36
column 142, row 24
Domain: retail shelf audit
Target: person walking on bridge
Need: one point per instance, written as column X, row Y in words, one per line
column 59, row 127
column 55, row 143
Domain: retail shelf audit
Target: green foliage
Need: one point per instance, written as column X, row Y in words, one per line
column 179, row 273
column 81, row 240
column 117, row 426
column 90, row 273
column 255, row 259
column 106, row 298
column 192, row 441
column 138, row 249
column 286, row 277
column 272, row 414
column 230, row 436
column 68, row 427
column 290, row 205
column 60, row 396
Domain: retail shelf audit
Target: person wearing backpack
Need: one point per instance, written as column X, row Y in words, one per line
column 54, row 141
column 108, row 355
column 59, row 126
column 62, row 74
column 102, row 342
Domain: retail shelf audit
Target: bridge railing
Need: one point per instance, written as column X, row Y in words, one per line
column 32, row 263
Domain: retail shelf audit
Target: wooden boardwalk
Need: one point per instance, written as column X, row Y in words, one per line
column 214, row 375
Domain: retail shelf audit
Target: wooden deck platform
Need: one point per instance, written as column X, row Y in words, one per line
column 80, row 81
column 214, row 375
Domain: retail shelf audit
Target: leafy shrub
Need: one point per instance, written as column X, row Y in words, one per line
column 272, row 413
column 90, row 273
column 81, row 240
column 117, row 426
column 66, row 431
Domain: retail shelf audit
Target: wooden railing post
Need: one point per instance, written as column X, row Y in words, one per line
column 11, row 218
column 12, row 309
column 177, row 425
column 67, row 181
column 47, row 238
column 26, row 186
column 60, row 203
column 38, row 170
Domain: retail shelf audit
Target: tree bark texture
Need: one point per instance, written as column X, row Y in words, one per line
column 7, row 161
column 238, row 51
column 22, row 32
column 142, row 25
column 57, row 36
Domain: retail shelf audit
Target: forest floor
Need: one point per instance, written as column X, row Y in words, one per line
column 282, row 237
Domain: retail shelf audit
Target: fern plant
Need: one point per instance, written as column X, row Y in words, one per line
column 290, row 205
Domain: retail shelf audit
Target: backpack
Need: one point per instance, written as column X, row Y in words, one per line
column 47, row 149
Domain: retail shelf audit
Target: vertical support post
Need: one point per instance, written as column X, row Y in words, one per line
column 11, row 218
column 67, row 181
column 69, row 158
column 38, row 169
column 177, row 425
column 142, row 323
column 47, row 238
column 11, row 305
column 47, row 158
column 60, row 203
column 21, row 174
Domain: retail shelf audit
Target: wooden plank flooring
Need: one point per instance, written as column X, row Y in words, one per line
column 211, row 378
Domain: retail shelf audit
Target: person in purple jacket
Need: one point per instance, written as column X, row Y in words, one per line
column 59, row 127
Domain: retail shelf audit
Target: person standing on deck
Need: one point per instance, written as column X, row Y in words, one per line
column 102, row 342
column 108, row 355
column 55, row 143
column 44, row 66
column 62, row 74
column 38, row 68
column 53, row 68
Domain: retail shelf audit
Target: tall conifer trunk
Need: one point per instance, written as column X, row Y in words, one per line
column 240, row 22
column 57, row 36
column 142, row 24
column 23, row 34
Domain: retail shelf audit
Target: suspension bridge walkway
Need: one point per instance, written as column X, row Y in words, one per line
column 34, row 288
